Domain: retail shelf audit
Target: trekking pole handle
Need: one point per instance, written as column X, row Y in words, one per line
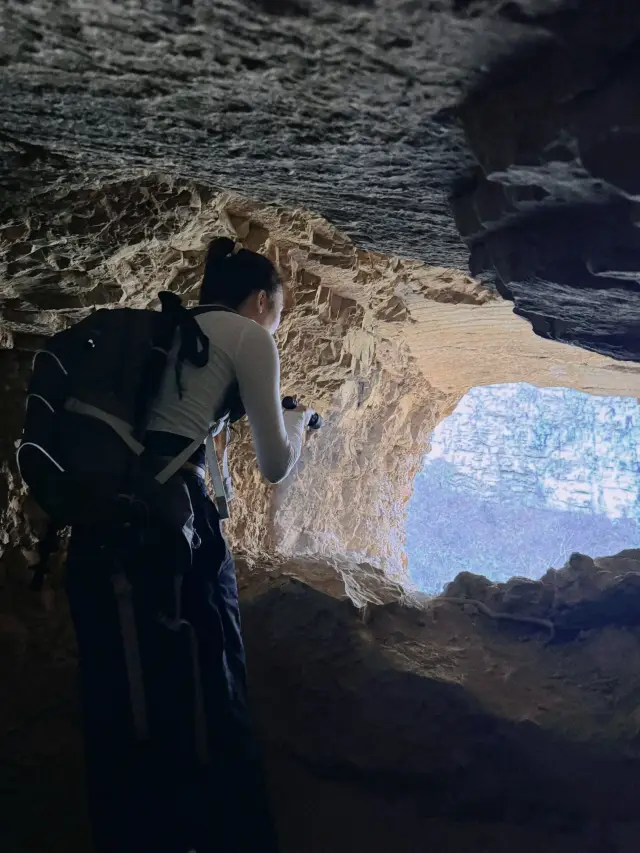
column 315, row 421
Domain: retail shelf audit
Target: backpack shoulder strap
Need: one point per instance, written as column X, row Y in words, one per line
column 232, row 403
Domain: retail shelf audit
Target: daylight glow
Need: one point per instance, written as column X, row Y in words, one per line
column 519, row 477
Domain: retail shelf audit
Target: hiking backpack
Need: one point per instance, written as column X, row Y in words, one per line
column 82, row 452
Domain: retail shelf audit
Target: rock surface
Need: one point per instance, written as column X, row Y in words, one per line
column 394, row 720
column 495, row 708
column 551, row 212
column 587, row 593
column 338, row 106
column 371, row 113
column 383, row 347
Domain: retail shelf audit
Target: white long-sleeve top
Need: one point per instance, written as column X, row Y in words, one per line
column 239, row 349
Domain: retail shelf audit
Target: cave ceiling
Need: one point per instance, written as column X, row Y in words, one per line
column 406, row 124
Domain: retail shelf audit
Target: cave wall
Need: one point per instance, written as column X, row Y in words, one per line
column 383, row 347
column 295, row 102
column 69, row 249
column 367, row 457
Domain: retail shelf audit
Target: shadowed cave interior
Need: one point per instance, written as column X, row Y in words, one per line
column 441, row 654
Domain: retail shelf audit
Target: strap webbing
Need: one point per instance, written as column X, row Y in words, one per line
column 214, row 467
column 226, row 476
column 180, row 459
column 221, row 482
column 122, row 428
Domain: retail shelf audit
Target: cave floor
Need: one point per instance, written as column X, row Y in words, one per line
column 44, row 811
column 406, row 731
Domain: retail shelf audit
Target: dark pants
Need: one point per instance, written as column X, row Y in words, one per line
column 171, row 761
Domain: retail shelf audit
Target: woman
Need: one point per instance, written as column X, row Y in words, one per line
column 195, row 782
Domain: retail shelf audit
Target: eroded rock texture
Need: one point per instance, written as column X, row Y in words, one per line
column 551, row 212
column 383, row 347
column 338, row 105
column 497, row 708
column 351, row 109
column 496, row 718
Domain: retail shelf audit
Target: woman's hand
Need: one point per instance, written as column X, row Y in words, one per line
column 308, row 413
column 311, row 419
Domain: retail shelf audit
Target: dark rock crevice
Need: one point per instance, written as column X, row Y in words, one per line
column 550, row 212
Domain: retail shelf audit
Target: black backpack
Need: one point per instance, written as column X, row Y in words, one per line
column 82, row 451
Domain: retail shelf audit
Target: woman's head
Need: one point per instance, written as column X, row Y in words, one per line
column 244, row 281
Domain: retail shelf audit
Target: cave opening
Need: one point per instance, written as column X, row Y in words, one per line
column 519, row 477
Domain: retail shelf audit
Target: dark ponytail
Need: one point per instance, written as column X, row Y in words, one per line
column 231, row 276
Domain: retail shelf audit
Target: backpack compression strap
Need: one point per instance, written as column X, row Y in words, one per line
column 222, row 488
column 124, row 431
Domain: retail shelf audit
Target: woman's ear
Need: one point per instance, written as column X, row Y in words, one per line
column 263, row 302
